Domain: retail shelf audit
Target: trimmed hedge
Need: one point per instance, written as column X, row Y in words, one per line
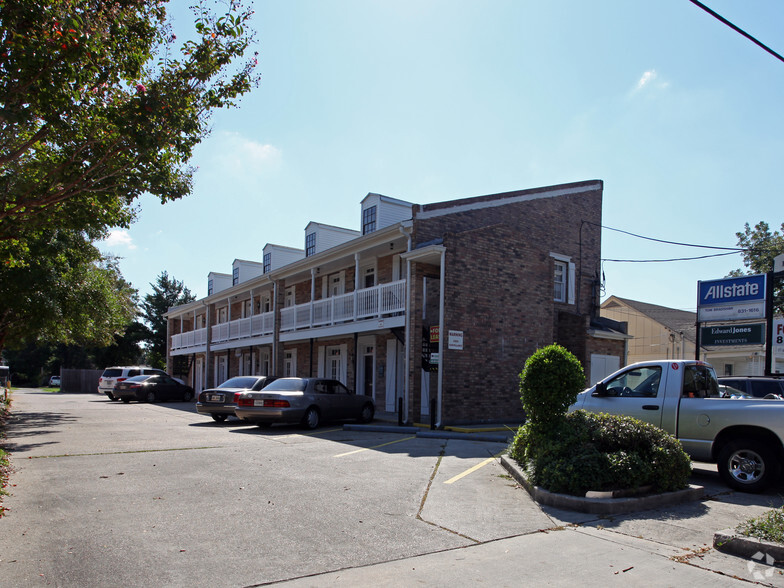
column 588, row 451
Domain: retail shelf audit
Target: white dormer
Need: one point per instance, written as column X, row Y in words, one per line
column 243, row 270
column 276, row 256
column 382, row 211
column 320, row 237
column 217, row 282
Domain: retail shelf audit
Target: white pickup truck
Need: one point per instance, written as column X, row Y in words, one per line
column 743, row 436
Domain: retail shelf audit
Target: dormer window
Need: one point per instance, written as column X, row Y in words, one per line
column 210, row 287
column 235, row 279
column 310, row 244
column 368, row 220
column 267, row 262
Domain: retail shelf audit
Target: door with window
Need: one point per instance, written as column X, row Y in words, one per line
column 221, row 370
column 290, row 363
column 365, row 383
column 635, row 392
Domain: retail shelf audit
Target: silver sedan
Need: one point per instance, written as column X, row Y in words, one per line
column 220, row 402
column 308, row 401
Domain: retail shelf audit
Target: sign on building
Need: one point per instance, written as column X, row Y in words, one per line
column 726, row 335
column 455, row 340
column 731, row 299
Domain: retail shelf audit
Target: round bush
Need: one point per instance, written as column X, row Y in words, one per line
column 549, row 383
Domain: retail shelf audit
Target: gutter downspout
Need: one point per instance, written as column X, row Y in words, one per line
column 206, row 381
column 406, row 231
column 441, row 336
column 275, row 327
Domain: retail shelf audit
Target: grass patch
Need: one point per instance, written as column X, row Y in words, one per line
column 768, row 527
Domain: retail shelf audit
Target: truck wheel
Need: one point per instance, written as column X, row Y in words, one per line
column 747, row 465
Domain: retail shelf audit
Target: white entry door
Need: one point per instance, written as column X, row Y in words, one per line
column 220, row 370
column 603, row 365
column 199, row 373
column 391, row 382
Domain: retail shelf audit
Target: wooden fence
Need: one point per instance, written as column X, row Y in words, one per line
column 79, row 381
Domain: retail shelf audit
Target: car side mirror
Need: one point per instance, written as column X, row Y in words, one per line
column 601, row 389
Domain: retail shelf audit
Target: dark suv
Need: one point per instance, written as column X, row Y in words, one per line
column 757, row 386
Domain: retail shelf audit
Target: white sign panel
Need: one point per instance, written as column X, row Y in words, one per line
column 778, row 341
column 455, row 339
column 731, row 312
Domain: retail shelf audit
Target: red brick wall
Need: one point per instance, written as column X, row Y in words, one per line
column 499, row 293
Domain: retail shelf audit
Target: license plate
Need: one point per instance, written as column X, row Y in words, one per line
column 216, row 398
column 258, row 403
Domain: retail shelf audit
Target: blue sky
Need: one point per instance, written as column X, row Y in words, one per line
column 431, row 100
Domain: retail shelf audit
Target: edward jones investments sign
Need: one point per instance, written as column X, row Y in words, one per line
column 733, row 335
column 731, row 299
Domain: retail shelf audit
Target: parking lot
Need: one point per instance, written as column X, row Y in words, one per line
column 154, row 494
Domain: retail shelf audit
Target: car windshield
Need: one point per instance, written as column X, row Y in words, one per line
column 287, row 385
column 112, row 372
column 239, row 382
column 139, row 378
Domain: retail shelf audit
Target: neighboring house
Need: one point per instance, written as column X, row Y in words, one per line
column 659, row 332
column 426, row 307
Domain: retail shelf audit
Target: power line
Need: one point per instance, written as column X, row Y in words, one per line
column 668, row 260
column 737, row 29
column 733, row 249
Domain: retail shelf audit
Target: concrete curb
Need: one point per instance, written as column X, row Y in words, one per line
column 436, row 434
column 765, row 552
column 608, row 506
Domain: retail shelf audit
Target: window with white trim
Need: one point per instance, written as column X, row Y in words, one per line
column 368, row 220
column 559, row 281
column 310, row 244
column 563, row 279
column 267, row 262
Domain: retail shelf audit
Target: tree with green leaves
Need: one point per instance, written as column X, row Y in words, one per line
column 67, row 292
column 760, row 246
column 166, row 293
column 100, row 103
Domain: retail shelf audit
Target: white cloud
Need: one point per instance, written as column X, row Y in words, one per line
column 646, row 78
column 649, row 79
column 239, row 154
column 119, row 238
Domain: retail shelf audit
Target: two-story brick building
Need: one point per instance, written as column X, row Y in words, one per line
column 426, row 308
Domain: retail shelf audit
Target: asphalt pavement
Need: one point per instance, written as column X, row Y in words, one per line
column 139, row 495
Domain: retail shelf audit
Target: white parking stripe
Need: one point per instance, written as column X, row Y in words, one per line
column 374, row 447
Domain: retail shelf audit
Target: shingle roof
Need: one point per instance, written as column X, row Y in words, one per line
column 680, row 321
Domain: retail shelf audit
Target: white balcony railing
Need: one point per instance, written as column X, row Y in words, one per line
column 367, row 303
column 378, row 301
column 252, row 326
column 195, row 338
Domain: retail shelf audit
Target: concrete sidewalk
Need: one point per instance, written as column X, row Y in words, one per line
column 565, row 557
column 663, row 547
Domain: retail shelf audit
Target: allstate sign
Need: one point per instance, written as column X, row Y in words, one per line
column 731, row 299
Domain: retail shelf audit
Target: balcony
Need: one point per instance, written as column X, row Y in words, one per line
column 197, row 338
column 254, row 326
column 378, row 301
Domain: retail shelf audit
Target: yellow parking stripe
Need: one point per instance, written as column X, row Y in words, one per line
column 374, row 447
column 473, row 469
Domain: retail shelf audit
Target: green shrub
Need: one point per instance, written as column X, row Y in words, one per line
column 549, row 383
column 589, row 451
